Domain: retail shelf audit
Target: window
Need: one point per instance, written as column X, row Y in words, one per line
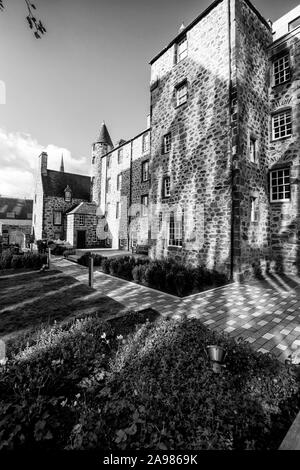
column 294, row 24
column 145, row 203
column 108, row 185
column 175, row 231
column 181, row 49
column 254, row 209
column 280, row 185
column 10, row 215
column 93, row 160
column 145, row 170
column 108, row 161
column 35, row 198
column 35, row 218
column 119, row 181
column 160, row 220
column 167, row 142
column 29, row 215
column 253, row 150
column 56, row 218
column 181, row 94
column 281, row 70
column 68, row 195
column 146, row 142
column 120, row 156
column 81, row 220
column 166, row 186
column 282, row 125
column 117, row 210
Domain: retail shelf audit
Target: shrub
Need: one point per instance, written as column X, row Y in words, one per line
column 17, row 262
column 138, row 272
column 68, row 252
column 84, row 259
column 5, row 260
column 58, row 250
column 105, row 265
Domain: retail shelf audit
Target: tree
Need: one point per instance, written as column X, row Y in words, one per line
column 35, row 24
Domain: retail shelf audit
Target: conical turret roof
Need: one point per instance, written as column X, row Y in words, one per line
column 104, row 137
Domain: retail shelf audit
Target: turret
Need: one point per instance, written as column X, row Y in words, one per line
column 102, row 145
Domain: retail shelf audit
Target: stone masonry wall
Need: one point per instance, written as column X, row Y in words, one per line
column 284, row 153
column 52, row 204
column 199, row 163
column 250, row 121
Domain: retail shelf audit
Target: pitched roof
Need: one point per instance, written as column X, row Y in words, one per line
column 55, row 183
column 83, row 208
column 104, row 137
column 20, row 207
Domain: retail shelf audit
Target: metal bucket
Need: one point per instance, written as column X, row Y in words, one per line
column 216, row 353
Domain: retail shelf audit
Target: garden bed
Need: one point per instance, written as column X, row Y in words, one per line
column 167, row 276
column 138, row 382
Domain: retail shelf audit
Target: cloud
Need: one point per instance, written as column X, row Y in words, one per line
column 19, row 159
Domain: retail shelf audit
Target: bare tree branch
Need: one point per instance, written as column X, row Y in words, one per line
column 34, row 23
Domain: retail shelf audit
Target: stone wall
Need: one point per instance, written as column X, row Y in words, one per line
column 284, row 153
column 7, row 232
column 51, row 204
column 199, row 163
column 250, row 120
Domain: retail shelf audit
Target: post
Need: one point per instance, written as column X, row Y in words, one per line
column 91, row 270
column 49, row 258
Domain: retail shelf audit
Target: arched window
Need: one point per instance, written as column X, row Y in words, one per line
column 68, row 194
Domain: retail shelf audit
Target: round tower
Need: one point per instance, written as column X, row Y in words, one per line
column 102, row 145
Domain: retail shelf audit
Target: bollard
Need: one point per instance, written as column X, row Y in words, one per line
column 91, row 271
column 49, row 258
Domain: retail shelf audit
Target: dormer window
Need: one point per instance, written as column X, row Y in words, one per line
column 181, row 49
column 68, row 194
column 294, row 24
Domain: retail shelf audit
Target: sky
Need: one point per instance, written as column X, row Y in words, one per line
column 91, row 65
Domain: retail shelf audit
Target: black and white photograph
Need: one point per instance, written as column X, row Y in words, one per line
column 149, row 229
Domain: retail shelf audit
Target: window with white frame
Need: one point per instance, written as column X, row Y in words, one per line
column 56, row 217
column 280, row 186
column 281, row 70
column 10, row 215
column 282, row 124
column 181, row 49
column 253, row 150
column 254, row 209
column 145, row 170
column 119, row 181
column 145, row 204
column 167, row 142
column 120, row 156
column 181, row 94
column 81, row 219
column 146, row 142
column 175, row 230
column 117, row 210
column 166, row 186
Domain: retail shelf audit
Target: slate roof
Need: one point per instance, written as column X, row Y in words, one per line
column 21, row 208
column 56, row 182
column 104, row 137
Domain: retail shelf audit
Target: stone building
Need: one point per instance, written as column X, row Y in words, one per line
column 15, row 221
column 62, row 208
column 222, row 184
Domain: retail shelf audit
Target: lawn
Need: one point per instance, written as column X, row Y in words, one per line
column 32, row 298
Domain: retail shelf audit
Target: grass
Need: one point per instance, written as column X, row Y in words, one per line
column 30, row 299
column 141, row 382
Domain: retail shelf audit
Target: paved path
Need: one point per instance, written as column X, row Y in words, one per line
column 266, row 313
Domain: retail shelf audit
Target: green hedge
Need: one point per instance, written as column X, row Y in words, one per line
column 27, row 260
column 166, row 275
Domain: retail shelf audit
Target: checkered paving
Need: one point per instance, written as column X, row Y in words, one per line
column 265, row 313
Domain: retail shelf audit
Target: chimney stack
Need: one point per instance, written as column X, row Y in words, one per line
column 43, row 163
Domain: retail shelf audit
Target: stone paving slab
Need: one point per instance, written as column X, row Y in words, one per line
column 266, row 313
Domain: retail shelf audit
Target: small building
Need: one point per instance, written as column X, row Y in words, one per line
column 58, row 202
column 15, row 221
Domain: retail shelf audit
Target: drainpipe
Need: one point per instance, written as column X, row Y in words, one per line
column 230, row 136
column 130, row 195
